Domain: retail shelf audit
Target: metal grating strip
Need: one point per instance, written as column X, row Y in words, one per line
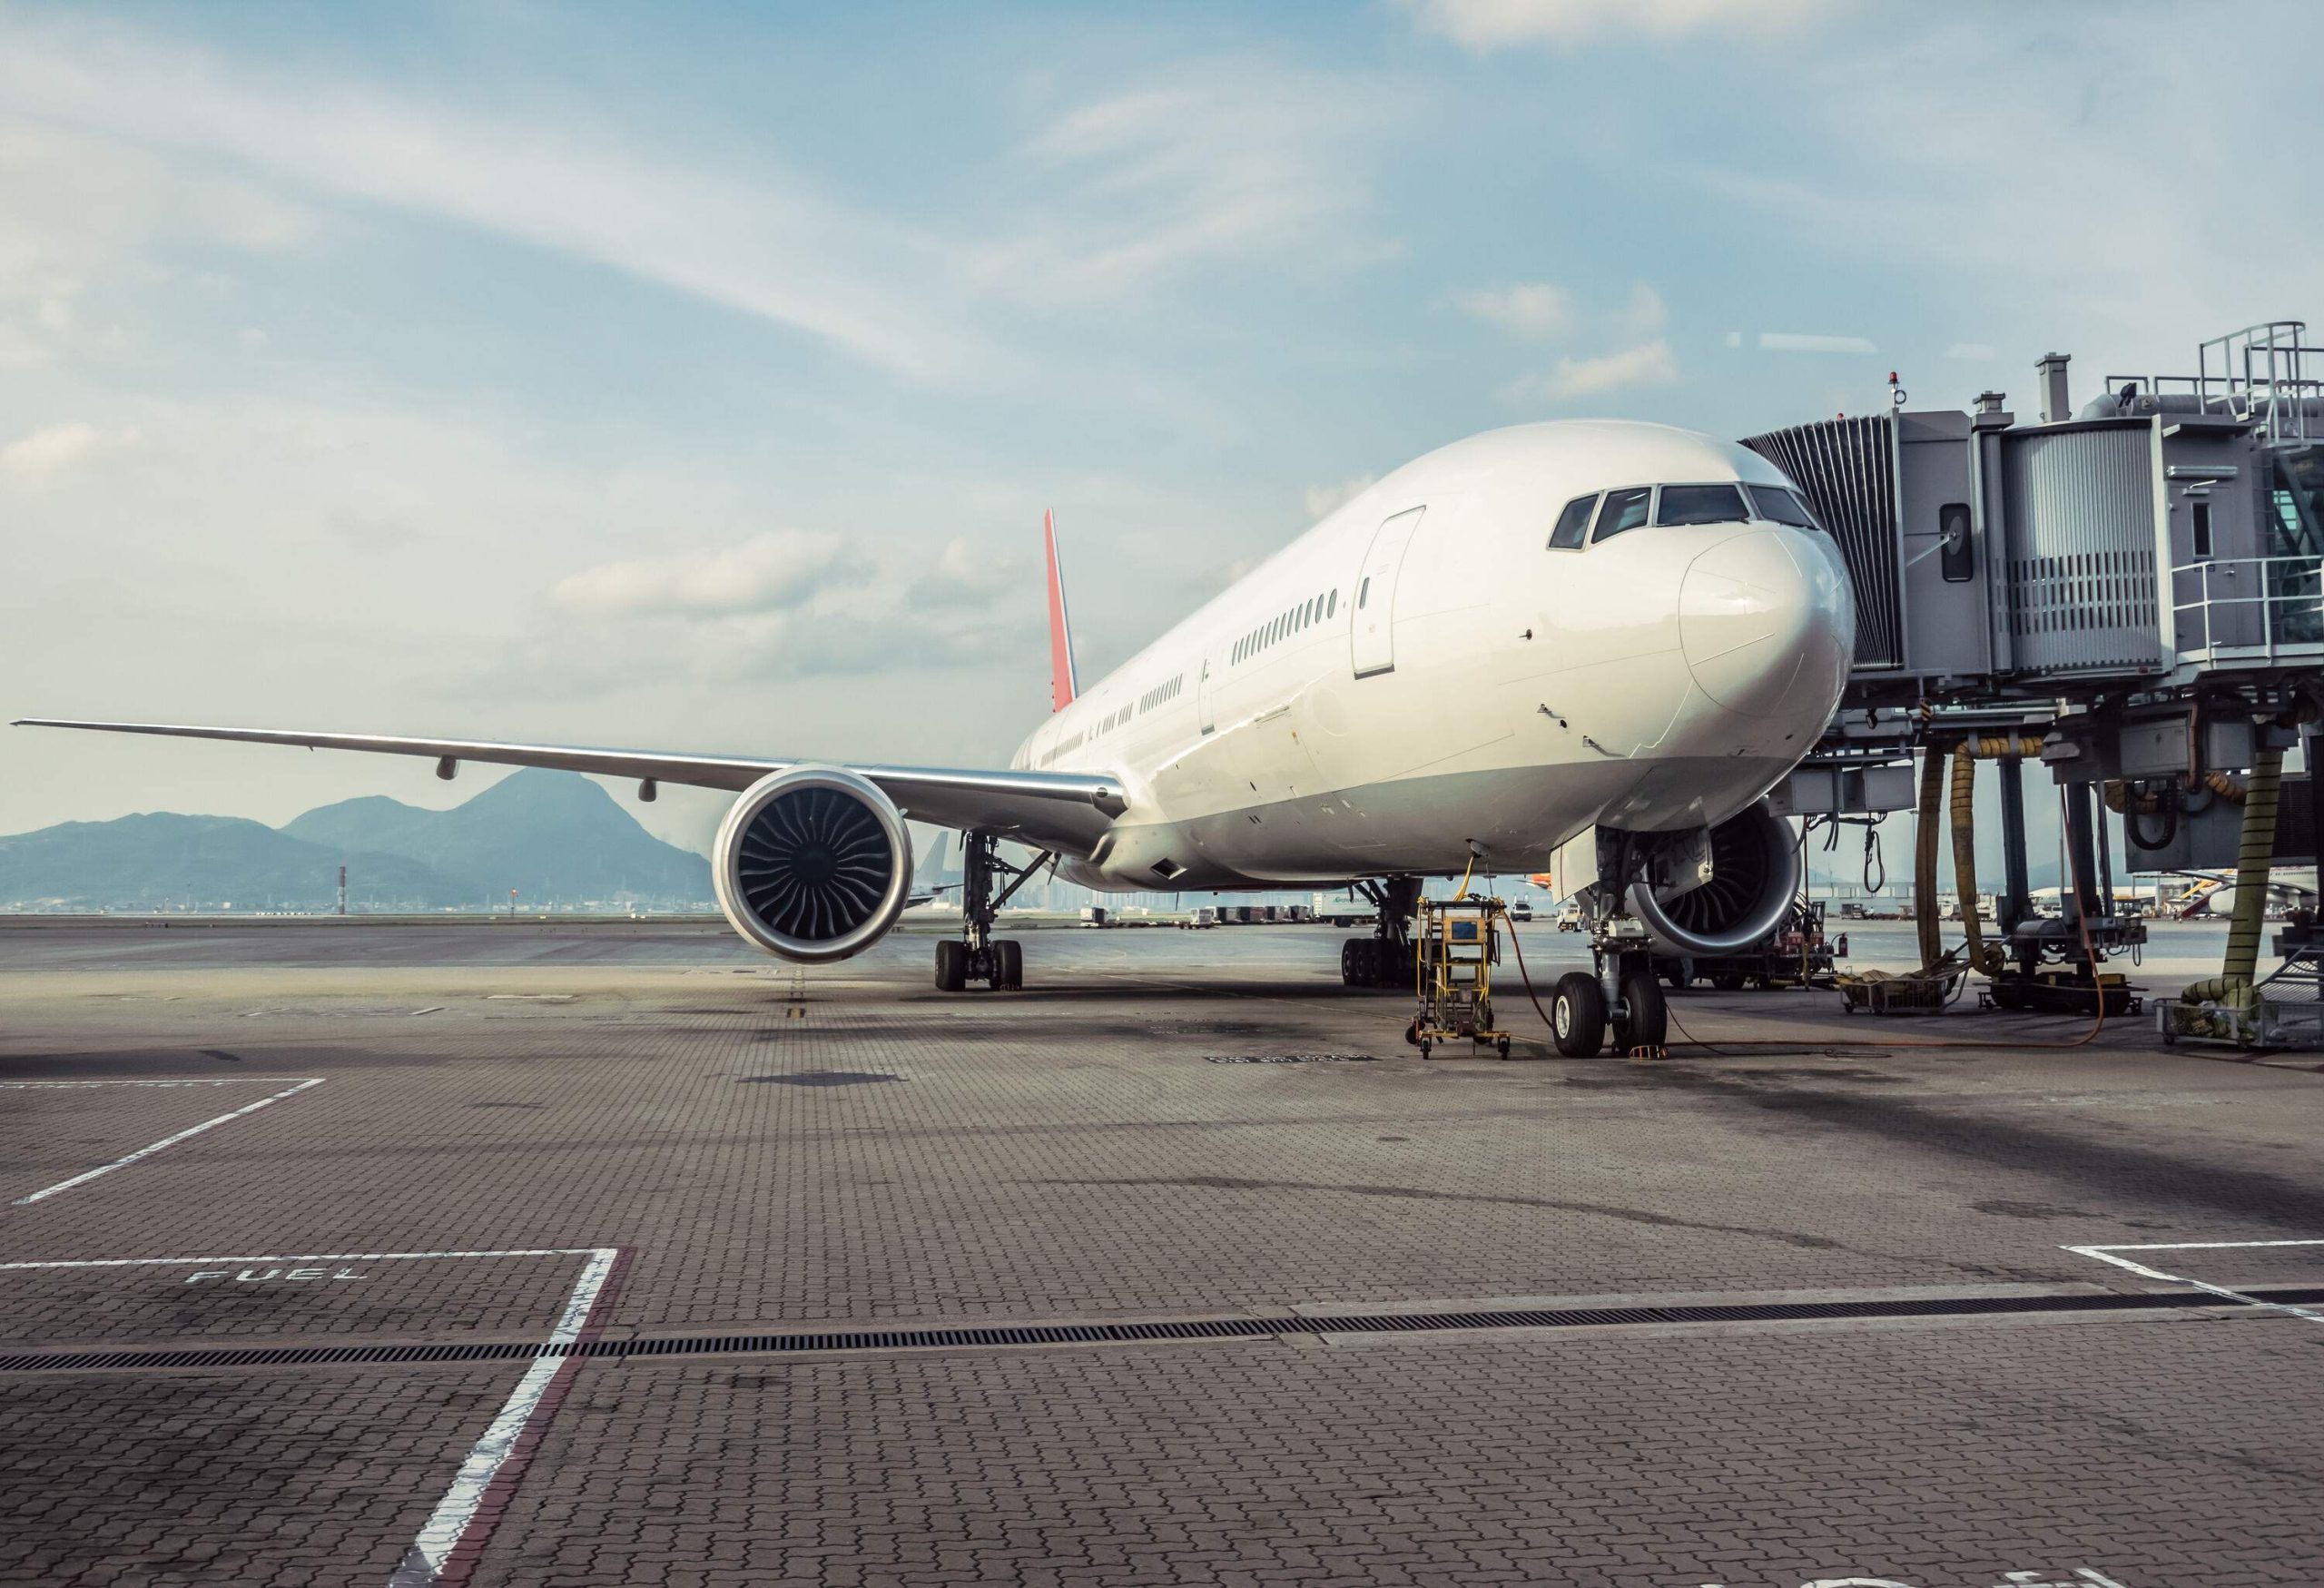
column 1200, row 1328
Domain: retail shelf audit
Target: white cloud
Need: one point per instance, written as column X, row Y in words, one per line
column 1484, row 26
column 1959, row 209
column 1234, row 160
column 1789, row 342
column 1325, row 499
column 1976, row 352
column 963, row 575
column 1535, row 310
column 35, row 457
column 767, row 573
column 759, row 244
column 1646, row 313
column 1648, row 364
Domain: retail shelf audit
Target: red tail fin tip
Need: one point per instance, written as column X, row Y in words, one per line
column 1063, row 685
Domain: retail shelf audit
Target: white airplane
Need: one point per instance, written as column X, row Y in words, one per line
column 1515, row 639
column 2213, row 893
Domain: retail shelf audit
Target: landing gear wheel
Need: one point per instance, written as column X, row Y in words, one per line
column 1728, row 982
column 1398, row 967
column 1646, row 1017
column 1008, row 957
column 1578, row 1015
column 951, row 966
column 1356, row 962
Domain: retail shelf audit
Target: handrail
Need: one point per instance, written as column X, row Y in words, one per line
column 2271, row 589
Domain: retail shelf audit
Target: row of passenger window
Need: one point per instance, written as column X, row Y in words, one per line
column 1614, row 512
column 1286, row 624
column 1160, row 692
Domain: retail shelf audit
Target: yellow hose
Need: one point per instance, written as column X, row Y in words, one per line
column 1964, row 861
column 2002, row 746
column 1924, row 858
column 2253, row 857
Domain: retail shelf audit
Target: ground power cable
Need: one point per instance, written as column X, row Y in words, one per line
column 1764, row 1046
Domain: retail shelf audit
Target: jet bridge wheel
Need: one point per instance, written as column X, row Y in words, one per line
column 1578, row 1015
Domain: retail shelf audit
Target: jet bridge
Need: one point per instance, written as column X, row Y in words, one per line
column 2139, row 585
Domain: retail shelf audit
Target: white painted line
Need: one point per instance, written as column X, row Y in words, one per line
column 2105, row 1254
column 459, row 1507
column 2191, row 1246
column 453, row 1514
column 537, row 1251
column 213, row 1080
column 165, row 1142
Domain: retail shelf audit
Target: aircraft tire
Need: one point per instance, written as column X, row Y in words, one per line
column 1012, row 963
column 1646, row 1019
column 951, row 967
column 1578, row 1015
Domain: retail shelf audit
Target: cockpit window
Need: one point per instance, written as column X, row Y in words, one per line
column 1699, row 504
column 1573, row 524
column 1623, row 511
column 1778, row 506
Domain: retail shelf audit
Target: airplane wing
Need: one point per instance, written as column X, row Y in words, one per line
column 1058, row 809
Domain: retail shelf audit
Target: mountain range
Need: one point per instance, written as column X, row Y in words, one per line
column 554, row 837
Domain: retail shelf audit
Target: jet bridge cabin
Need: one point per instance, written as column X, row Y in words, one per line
column 2154, row 541
column 2136, row 588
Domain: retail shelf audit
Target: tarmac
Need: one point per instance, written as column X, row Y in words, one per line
column 550, row 1253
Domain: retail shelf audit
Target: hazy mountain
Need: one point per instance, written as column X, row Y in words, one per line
column 550, row 835
column 554, row 836
column 145, row 861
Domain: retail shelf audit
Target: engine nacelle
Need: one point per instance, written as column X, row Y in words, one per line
column 1754, row 875
column 813, row 864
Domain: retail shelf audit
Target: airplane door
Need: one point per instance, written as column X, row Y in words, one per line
column 1372, row 636
column 1206, row 707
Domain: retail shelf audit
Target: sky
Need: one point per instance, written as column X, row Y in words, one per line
column 695, row 377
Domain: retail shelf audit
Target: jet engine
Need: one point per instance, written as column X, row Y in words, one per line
column 1721, row 891
column 813, row 864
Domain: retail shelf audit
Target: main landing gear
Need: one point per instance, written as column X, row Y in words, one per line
column 979, row 956
column 1386, row 958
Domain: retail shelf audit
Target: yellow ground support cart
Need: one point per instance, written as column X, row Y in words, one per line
column 1459, row 943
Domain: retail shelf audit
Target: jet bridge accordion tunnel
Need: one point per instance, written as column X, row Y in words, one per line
column 2138, row 583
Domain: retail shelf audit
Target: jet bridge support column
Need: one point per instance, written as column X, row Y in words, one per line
column 2016, row 900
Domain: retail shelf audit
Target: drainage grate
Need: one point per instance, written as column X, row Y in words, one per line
column 1290, row 1059
column 1114, row 1334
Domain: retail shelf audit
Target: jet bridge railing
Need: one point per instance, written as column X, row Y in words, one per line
column 2247, row 611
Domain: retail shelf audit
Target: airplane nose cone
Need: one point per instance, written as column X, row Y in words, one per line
column 1768, row 623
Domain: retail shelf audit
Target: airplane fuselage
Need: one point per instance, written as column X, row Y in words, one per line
column 1424, row 676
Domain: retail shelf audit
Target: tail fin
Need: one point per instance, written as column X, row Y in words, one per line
column 1063, row 685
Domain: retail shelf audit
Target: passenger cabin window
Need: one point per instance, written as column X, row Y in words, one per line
column 1331, row 603
column 1573, row 524
column 1624, row 511
column 1780, row 506
column 1699, row 504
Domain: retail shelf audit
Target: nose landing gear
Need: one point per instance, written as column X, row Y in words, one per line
column 979, row 956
